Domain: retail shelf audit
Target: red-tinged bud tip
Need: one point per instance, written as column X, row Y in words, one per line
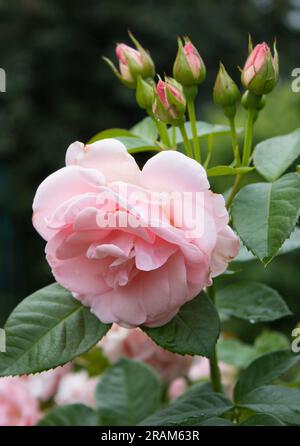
column 189, row 68
column 260, row 72
column 161, row 92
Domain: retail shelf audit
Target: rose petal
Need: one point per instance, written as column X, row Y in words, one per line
column 109, row 156
column 175, row 172
column 57, row 188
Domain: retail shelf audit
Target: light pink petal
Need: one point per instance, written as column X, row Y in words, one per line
column 174, row 172
column 149, row 256
column 57, row 188
column 227, row 248
column 121, row 305
column 68, row 211
column 109, row 156
column 164, row 291
column 79, row 274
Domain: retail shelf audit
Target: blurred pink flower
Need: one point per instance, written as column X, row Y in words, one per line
column 76, row 388
column 135, row 344
column 177, row 388
column 200, row 370
column 44, row 385
column 17, row 405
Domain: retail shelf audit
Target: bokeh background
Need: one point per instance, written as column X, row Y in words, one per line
column 59, row 91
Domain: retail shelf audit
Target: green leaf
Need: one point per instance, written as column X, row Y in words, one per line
column 127, row 393
column 216, row 422
column 93, row 361
column 273, row 156
column 269, row 341
column 110, row 133
column 264, row 370
column 252, row 301
column 193, row 331
column 262, row 420
column 227, row 170
column 190, row 410
column 133, row 143
column 48, row 329
column 204, row 129
column 235, row 352
column 290, row 245
column 280, row 402
column 71, row 415
column 265, row 214
column 146, row 129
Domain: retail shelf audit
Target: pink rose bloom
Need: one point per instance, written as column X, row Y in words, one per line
column 132, row 261
column 44, row 385
column 177, row 388
column 76, row 388
column 17, row 405
column 135, row 344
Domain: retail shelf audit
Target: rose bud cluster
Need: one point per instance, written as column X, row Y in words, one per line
column 133, row 62
column 261, row 70
column 169, row 104
column 189, row 68
column 226, row 92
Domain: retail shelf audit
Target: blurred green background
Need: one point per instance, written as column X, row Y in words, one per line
column 59, row 91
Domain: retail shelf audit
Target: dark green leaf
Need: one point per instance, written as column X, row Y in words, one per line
column 252, row 301
column 265, row 214
column 216, row 422
column 280, row 402
column 71, row 415
column 273, row 156
column 194, row 330
column 48, row 329
column 290, row 245
column 264, row 370
column 127, row 393
column 190, row 410
column 262, row 420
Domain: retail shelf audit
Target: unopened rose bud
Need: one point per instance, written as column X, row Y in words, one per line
column 261, row 71
column 132, row 63
column 189, row 68
column 169, row 103
column 226, row 92
column 144, row 93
